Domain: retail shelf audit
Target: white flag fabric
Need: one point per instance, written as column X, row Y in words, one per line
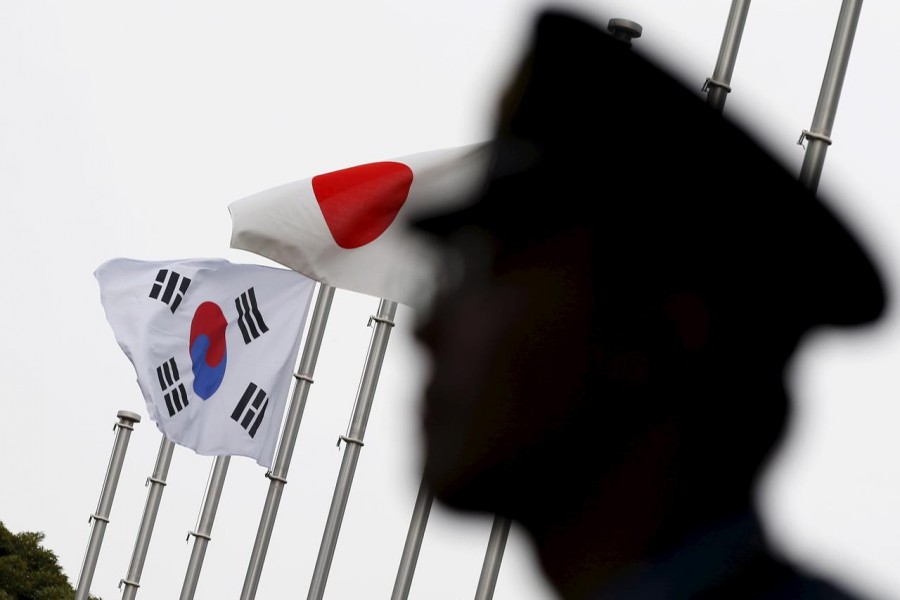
column 213, row 344
column 346, row 228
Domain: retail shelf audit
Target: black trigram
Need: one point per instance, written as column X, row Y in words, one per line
column 172, row 291
column 249, row 318
column 253, row 415
column 176, row 396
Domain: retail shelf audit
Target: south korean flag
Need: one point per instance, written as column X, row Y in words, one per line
column 213, row 345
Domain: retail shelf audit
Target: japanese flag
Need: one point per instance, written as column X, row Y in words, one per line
column 213, row 344
column 346, row 228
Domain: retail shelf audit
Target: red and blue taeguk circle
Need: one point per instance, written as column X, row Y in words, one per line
column 207, row 347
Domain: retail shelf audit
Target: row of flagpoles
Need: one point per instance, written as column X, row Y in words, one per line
column 817, row 138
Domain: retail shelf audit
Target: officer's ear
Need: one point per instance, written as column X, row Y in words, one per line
column 689, row 314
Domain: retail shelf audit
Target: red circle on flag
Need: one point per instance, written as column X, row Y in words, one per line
column 361, row 202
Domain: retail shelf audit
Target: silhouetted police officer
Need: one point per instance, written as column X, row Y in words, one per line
column 620, row 301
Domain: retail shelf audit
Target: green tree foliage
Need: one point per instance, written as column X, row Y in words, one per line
column 28, row 571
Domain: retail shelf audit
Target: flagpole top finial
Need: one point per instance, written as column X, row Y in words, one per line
column 624, row 29
column 127, row 415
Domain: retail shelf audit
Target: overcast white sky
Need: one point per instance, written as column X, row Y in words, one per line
column 127, row 128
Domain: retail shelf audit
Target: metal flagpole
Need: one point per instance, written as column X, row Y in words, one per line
column 718, row 86
column 204, row 527
column 819, row 134
column 492, row 558
column 625, row 31
column 123, row 428
column 278, row 475
column 157, row 482
column 384, row 321
column 424, row 500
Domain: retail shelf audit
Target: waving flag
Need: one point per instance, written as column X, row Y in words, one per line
column 346, row 228
column 213, row 345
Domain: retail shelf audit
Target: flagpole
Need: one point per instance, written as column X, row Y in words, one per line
column 204, row 527
column 625, row 31
column 278, row 475
column 157, row 483
column 100, row 518
column 718, row 86
column 492, row 558
column 424, row 500
column 819, row 134
column 384, row 321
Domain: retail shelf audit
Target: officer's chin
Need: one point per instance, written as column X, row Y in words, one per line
column 463, row 487
column 459, row 494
